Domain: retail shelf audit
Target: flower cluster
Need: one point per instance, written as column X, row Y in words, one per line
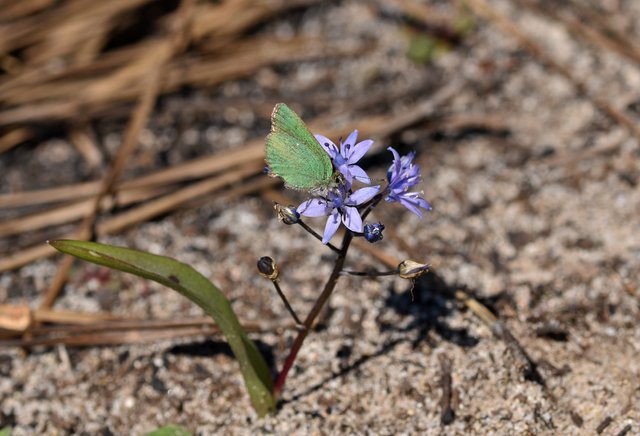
column 340, row 206
column 403, row 175
column 343, row 205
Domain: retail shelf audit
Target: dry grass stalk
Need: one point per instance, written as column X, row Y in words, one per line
column 12, row 10
column 153, row 66
column 62, row 100
column 49, row 195
column 140, row 214
column 485, row 10
column 80, row 329
column 250, row 158
column 196, row 168
column 431, row 17
column 88, row 81
column 609, row 35
column 117, row 337
column 171, row 201
column 84, row 140
column 14, row 137
column 76, row 210
column 21, row 318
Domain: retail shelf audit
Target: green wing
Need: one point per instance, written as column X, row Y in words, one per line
column 294, row 154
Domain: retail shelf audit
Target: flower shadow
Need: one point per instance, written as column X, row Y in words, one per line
column 428, row 303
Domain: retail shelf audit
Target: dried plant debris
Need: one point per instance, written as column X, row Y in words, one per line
column 524, row 117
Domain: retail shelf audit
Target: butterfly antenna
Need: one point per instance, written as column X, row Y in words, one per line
column 369, row 179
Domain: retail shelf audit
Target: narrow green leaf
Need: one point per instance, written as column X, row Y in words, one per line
column 170, row 430
column 193, row 285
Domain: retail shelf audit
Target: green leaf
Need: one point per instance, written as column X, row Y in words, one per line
column 170, row 430
column 193, row 285
column 5, row 431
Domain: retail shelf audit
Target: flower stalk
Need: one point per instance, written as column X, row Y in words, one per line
column 341, row 204
column 311, row 317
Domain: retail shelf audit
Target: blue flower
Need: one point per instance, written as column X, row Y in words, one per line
column 345, row 158
column 373, row 232
column 402, row 175
column 340, row 206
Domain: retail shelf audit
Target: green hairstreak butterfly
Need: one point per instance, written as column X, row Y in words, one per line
column 295, row 155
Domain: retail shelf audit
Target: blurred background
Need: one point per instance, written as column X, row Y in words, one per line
column 141, row 123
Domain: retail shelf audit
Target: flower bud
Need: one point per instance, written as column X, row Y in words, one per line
column 373, row 232
column 410, row 269
column 287, row 214
column 268, row 268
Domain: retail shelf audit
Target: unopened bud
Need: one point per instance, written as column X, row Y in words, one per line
column 373, row 232
column 410, row 269
column 287, row 214
column 268, row 268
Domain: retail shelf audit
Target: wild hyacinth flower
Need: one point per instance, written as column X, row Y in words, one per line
column 402, row 175
column 345, row 158
column 340, row 206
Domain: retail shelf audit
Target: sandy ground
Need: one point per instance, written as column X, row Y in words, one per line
column 540, row 223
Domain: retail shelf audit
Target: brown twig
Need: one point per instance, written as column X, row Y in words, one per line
column 606, row 422
column 626, row 429
column 447, row 413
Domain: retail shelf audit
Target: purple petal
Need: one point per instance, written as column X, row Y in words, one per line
column 314, row 207
column 359, row 174
column 328, row 145
column 351, row 218
column 409, row 205
column 395, row 167
column 331, row 227
column 423, row 203
column 362, row 195
column 396, row 156
column 359, row 150
column 408, row 158
column 348, row 146
column 413, row 202
column 415, row 198
column 346, row 171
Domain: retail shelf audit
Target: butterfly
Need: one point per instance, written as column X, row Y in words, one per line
column 294, row 154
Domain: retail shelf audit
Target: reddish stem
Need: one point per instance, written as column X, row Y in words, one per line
column 315, row 311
